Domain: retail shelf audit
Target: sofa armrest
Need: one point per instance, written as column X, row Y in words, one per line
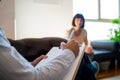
column 105, row 44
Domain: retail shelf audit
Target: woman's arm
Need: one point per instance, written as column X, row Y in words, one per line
column 88, row 47
column 68, row 32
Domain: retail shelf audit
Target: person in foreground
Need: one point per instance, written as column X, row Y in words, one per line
column 13, row 66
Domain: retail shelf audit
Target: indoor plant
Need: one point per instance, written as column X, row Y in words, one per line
column 115, row 32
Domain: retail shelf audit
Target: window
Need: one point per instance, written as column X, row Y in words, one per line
column 87, row 7
column 97, row 9
column 109, row 9
column 98, row 14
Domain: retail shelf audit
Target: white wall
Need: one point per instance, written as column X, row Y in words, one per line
column 42, row 19
column 7, row 17
column 98, row 30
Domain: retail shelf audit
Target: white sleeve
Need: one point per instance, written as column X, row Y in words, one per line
column 14, row 67
column 56, row 69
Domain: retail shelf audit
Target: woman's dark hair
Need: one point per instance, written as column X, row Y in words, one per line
column 78, row 16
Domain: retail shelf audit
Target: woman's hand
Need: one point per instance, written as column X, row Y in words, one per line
column 89, row 50
column 37, row 60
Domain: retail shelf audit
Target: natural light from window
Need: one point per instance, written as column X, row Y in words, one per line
column 87, row 7
column 96, row 12
column 109, row 9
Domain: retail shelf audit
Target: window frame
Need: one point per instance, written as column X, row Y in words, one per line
column 99, row 15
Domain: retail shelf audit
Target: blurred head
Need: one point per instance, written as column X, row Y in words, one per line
column 78, row 19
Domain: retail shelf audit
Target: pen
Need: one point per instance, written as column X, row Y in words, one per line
column 71, row 35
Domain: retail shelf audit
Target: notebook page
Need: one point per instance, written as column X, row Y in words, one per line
column 71, row 73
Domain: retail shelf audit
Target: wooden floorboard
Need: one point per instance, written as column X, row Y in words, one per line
column 108, row 73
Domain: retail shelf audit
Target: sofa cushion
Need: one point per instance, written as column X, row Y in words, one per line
column 103, row 55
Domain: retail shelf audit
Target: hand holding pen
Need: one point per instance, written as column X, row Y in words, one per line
column 71, row 35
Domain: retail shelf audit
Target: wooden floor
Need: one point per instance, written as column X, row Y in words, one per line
column 110, row 74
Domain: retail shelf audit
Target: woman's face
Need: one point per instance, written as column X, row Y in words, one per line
column 78, row 22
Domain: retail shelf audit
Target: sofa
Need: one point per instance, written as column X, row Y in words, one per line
column 106, row 50
column 31, row 48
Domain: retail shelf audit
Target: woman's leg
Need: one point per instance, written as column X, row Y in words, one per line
column 86, row 70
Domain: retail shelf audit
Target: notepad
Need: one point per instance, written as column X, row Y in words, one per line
column 72, row 71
